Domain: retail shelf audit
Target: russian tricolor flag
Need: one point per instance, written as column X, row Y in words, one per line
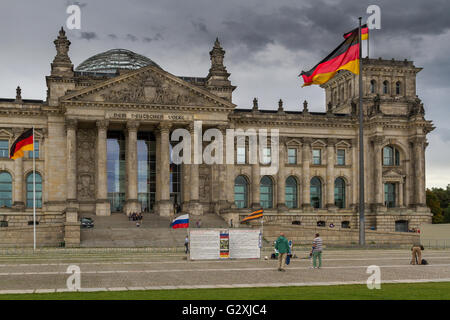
column 181, row 222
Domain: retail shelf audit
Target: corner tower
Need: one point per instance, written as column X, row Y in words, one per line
column 217, row 80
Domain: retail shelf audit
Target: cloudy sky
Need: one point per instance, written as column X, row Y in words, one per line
column 267, row 44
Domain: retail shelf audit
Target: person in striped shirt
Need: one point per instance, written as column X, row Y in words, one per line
column 317, row 251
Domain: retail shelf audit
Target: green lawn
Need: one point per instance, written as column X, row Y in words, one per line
column 401, row 291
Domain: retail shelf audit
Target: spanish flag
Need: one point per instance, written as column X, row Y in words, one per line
column 23, row 143
column 344, row 57
column 254, row 215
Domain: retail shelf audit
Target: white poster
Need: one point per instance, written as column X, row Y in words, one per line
column 244, row 244
column 204, row 244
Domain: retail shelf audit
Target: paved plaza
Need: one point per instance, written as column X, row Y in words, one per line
column 46, row 272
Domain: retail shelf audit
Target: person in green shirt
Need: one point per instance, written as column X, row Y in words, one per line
column 282, row 245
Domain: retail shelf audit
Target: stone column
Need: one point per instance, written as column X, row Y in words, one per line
column 306, row 158
column 419, row 155
column 71, row 162
column 18, row 184
column 281, row 178
column 132, row 204
column 222, row 172
column 256, row 179
column 330, row 174
column 165, row 206
column 102, row 203
column 195, row 208
column 378, row 172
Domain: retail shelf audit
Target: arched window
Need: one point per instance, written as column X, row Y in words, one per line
column 398, row 86
column 5, row 190
column 373, row 85
column 266, row 192
column 30, row 191
column 291, row 193
column 316, row 192
column 391, row 156
column 339, row 193
column 385, row 87
column 241, row 192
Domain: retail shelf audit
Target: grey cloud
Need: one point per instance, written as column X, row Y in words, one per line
column 200, row 26
column 112, row 36
column 88, row 35
column 131, row 37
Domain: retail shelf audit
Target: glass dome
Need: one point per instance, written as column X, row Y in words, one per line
column 112, row 60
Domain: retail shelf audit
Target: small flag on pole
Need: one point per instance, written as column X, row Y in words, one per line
column 364, row 32
column 23, row 143
column 254, row 215
column 180, row 222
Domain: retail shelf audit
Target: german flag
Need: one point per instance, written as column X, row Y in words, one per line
column 23, row 143
column 344, row 57
column 364, row 32
column 254, row 215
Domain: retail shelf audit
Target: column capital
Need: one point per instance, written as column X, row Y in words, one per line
column 377, row 140
column 71, row 124
column 307, row 141
column 331, row 142
column 132, row 125
column 418, row 140
column 164, row 126
column 102, row 124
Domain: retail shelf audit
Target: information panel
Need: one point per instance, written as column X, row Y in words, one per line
column 211, row 244
column 244, row 244
column 204, row 244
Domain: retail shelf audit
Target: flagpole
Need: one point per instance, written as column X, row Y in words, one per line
column 368, row 41
column 34, row 196
column 362, row 235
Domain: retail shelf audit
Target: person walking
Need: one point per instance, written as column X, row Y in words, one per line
column 317, row 251
column 282, row 246
column 186, row 245
column 416, row 251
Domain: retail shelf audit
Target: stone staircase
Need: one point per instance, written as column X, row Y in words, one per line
column 118, row 231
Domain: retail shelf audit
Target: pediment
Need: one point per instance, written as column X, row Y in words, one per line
column 390, row 173
column 148, row 85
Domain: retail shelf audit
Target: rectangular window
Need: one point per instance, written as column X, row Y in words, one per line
column 240, row 153
column 317, row 156
column 341, row 157
column 36, row 151
column 4, row 149
column 389, row 195
column 267, row 157
column 292, row 156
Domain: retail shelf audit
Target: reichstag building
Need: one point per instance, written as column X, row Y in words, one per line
column 103, row 147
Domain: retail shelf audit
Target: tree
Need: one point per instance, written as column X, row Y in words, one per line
column 435, row 206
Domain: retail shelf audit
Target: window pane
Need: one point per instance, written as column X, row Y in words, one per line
column 292, row 156
column 316, row 156
column 38, row 189
column 388, row 156
column 241, row 155
column 266, row 192
column 316, row 192
column 4, row 149
column 341, row 157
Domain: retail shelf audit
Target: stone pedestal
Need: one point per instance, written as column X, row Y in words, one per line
column 103, row 207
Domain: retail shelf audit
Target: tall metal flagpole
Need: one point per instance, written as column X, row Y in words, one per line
column 362, row 222
column 34, row 196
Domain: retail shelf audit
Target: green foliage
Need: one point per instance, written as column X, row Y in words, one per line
column 435, row 206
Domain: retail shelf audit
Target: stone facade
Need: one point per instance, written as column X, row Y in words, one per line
column 74, row 122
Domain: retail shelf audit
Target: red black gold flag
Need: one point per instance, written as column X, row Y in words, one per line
column 23, row 143
column 364, row 32
column 254, row 215
column 344, row 57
